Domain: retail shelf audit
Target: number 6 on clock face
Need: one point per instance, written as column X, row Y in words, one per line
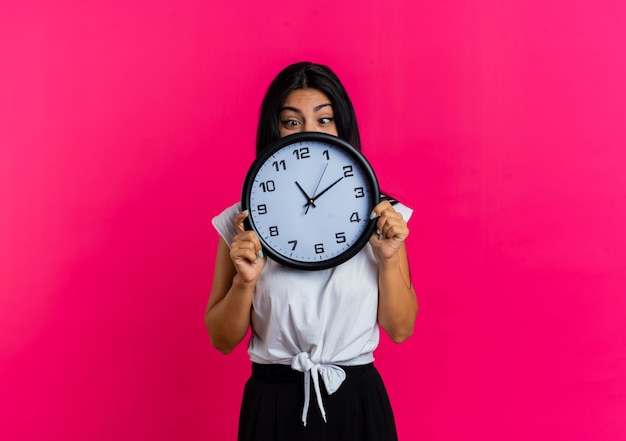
column 309, row 197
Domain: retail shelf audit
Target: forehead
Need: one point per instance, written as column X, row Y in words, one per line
column 300, row 98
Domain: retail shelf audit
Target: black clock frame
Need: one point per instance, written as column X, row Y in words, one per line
column 311, row 137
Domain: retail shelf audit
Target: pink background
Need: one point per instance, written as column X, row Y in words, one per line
column 125, row 126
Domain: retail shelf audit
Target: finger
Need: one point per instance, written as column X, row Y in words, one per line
column 245, row 244
column 392, row 226
column 239, row 221
column 398, row 232
column 247, row 236
column 246, row 249
column 381, row 207
column 389, row 217
column 248, row 244
column 240, row 243
column 247, row 255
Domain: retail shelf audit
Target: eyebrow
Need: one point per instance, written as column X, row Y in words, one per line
column 315, row 109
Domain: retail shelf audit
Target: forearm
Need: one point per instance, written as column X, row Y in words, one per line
column 397, row 302
column 228, row 321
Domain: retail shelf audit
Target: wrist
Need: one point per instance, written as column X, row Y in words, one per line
column 240, row 283
column 392, row 261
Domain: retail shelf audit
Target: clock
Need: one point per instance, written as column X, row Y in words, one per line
column 309, row 197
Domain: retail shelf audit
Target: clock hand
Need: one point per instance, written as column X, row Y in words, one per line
column 310, row 202
column 308, row 198
column 320, row 180
column 326, row 189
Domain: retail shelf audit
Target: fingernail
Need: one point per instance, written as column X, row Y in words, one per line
column 261, row 255
column 373, row 216
column 378, row 232
column 256, row 261
column 245, row 211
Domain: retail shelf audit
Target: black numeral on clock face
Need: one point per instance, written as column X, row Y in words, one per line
column 354, row 217
column 293, row 244
column 274, row 231
column 319, row 248
column 278, row 165
column 347, row 171
column 341, row 237
column 302, row 153
column 261, row 209
column 358, row 192
column 268, row 186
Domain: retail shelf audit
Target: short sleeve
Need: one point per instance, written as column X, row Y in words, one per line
column 224, row 223
column 405, row 211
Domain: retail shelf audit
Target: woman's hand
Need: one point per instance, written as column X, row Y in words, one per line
column 245, row 252
column 391, row 231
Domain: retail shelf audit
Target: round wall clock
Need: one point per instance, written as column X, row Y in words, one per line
column 309, row 197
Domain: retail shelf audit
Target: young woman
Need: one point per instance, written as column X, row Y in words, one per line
column 313, row 332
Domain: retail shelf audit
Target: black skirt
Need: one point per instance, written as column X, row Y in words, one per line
column 273, row 400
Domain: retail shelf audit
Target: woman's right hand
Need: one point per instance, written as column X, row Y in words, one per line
column 245, row 252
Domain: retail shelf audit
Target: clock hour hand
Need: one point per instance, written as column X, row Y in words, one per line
column 325, row 190
column 308, row 198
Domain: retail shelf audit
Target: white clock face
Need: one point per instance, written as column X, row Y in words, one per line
column 310, row 203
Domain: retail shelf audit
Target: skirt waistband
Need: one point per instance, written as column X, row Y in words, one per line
column 283, row 373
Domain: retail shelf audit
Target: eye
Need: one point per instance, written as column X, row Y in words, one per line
column 290, row 123
column 326, row 121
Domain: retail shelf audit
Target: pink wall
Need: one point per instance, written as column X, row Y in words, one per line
column 125, row 126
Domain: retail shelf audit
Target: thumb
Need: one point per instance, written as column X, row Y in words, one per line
column 239, row 221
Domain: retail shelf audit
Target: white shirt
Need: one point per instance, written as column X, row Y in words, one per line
column 314, row 320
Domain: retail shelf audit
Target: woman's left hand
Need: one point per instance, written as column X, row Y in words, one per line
column 391, row 233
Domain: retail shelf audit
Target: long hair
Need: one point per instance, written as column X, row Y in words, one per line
column 305, row 75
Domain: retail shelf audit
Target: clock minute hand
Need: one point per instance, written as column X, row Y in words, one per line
column 326, row 189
